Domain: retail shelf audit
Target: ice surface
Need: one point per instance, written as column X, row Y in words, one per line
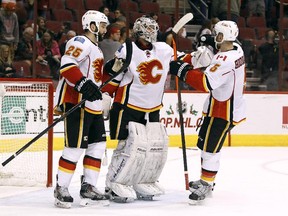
column 251, row 181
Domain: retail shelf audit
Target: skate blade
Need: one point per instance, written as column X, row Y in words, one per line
column 89, row 202
column 61, row 204
column 195, row 202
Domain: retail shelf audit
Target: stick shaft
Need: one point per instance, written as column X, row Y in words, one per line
column 183, row 141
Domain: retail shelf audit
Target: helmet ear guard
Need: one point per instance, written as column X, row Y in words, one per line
column 228, row 28
column 93, row 16
column 147, row 28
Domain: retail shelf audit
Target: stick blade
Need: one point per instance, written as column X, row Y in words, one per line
column 185, row 19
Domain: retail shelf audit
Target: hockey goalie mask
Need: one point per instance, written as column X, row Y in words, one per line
column 93, row 16
column 146, row 28
column 229, row 29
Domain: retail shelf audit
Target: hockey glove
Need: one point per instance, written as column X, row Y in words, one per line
column 202, row 57
column 106, row 104
column 89, row 89
column 118, row 64
column 179, row 69
column 113, row 66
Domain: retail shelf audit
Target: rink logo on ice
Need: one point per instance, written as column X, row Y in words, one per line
column 285, row 116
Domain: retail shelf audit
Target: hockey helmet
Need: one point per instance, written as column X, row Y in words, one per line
column 228, row 28
column 93, row 16
column 147, row 28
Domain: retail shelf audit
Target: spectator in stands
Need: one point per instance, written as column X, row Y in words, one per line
column 256, row 7
column 121, row 21
column 123, row 33
column 48, row 52
column 70, row 34
column 270, row 58
column 206, row 29
column 25, row 46
column 118, row 13
column 41, row 27
column 111, row 43
column 6, row 68
column 9, row 27
column 219, row 9
column 104, row 9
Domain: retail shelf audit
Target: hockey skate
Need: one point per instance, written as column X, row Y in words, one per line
column 200, row 190
column 91, row 196
column 62, row 196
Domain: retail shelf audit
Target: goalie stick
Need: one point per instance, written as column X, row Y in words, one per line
column 185, row 19
column 124, row 67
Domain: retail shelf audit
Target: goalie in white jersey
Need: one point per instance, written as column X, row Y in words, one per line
column 141, row 153
column 81, row 75
column 224, row 108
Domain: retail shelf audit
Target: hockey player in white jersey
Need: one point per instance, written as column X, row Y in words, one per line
column 224, row 108
column 81, row 75
column 141, row 153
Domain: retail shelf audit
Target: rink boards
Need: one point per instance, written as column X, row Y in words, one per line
column 266, row 123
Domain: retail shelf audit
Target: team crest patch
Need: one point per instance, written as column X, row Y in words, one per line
column 80, row 39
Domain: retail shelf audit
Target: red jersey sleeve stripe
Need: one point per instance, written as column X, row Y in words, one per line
column 72, row 73
column 197, row 79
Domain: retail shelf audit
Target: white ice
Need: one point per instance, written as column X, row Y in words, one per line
column 251, row 181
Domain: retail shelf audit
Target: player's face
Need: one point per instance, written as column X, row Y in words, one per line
column 219, row 37
column 150, row 28
column 102, row 28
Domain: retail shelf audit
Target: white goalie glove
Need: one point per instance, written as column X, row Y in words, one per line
column 202, row 57
column 106, row 104
column 117, row 65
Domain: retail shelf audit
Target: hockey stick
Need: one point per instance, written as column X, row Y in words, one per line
column 185, row 19
column 124, row 67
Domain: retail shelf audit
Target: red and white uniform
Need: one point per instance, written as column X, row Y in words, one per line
column 145, row 78
column 82, row 58
column 225, row 79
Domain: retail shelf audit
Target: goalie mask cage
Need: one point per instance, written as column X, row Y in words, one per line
column 26, row 109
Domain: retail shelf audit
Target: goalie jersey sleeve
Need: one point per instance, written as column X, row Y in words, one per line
column 82, row 58
column 224, row 78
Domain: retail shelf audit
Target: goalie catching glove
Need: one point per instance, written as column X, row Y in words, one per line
column 201, row 57
column 89, row 89
column 179, row 69
column 113, row 66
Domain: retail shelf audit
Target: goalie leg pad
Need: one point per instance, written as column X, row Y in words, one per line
column 155, row 159
column 127, row 161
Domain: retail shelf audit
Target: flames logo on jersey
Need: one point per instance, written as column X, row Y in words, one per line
column 97, row 65
column 146, row 68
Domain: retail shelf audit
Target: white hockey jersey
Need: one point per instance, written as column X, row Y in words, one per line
column 225, row 79
column 142, row 86
column 82, row 58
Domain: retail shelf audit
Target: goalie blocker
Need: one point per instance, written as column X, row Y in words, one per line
column 137, row 163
